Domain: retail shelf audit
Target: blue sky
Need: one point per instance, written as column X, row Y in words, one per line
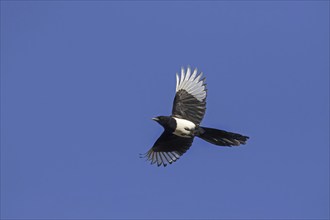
column 81, row 80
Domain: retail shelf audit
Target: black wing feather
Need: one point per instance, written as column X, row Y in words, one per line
column 188, row 107
column 170, row 145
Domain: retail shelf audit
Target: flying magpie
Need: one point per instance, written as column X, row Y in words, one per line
column 184, row 124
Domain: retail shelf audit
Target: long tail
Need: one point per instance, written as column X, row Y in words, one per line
column 220, row 137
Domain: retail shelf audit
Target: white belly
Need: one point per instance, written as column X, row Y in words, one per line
column 184, row 128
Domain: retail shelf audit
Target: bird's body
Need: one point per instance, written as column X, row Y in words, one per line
column 184, row 128
column 184, row 124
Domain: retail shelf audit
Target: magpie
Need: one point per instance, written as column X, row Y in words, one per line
column 184, row 124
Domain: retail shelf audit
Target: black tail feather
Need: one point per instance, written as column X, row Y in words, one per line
column 220, row 137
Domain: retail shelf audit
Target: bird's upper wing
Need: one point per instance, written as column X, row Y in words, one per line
column 190, row 98
column 168, row 148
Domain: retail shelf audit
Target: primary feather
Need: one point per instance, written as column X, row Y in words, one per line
column 191, row 84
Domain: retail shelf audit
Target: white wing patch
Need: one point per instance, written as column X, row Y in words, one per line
column 184, row 128
column 191, row 83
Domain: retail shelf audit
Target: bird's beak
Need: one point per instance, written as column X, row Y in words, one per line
column 155, row 119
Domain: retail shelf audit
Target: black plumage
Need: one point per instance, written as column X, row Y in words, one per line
column 188, row 107
column 183, row 125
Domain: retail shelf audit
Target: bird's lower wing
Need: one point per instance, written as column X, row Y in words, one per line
column 167, row 149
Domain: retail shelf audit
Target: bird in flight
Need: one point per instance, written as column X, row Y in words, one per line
column 183, row 125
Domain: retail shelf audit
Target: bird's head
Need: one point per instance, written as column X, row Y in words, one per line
column 163, row 120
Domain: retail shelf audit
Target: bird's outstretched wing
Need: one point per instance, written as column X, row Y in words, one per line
column 190, row 98
column 168, row 148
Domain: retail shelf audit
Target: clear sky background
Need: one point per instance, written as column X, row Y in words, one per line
column 81, row 80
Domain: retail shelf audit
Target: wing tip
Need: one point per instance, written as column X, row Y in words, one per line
column 190, row 81
column 159, row 158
